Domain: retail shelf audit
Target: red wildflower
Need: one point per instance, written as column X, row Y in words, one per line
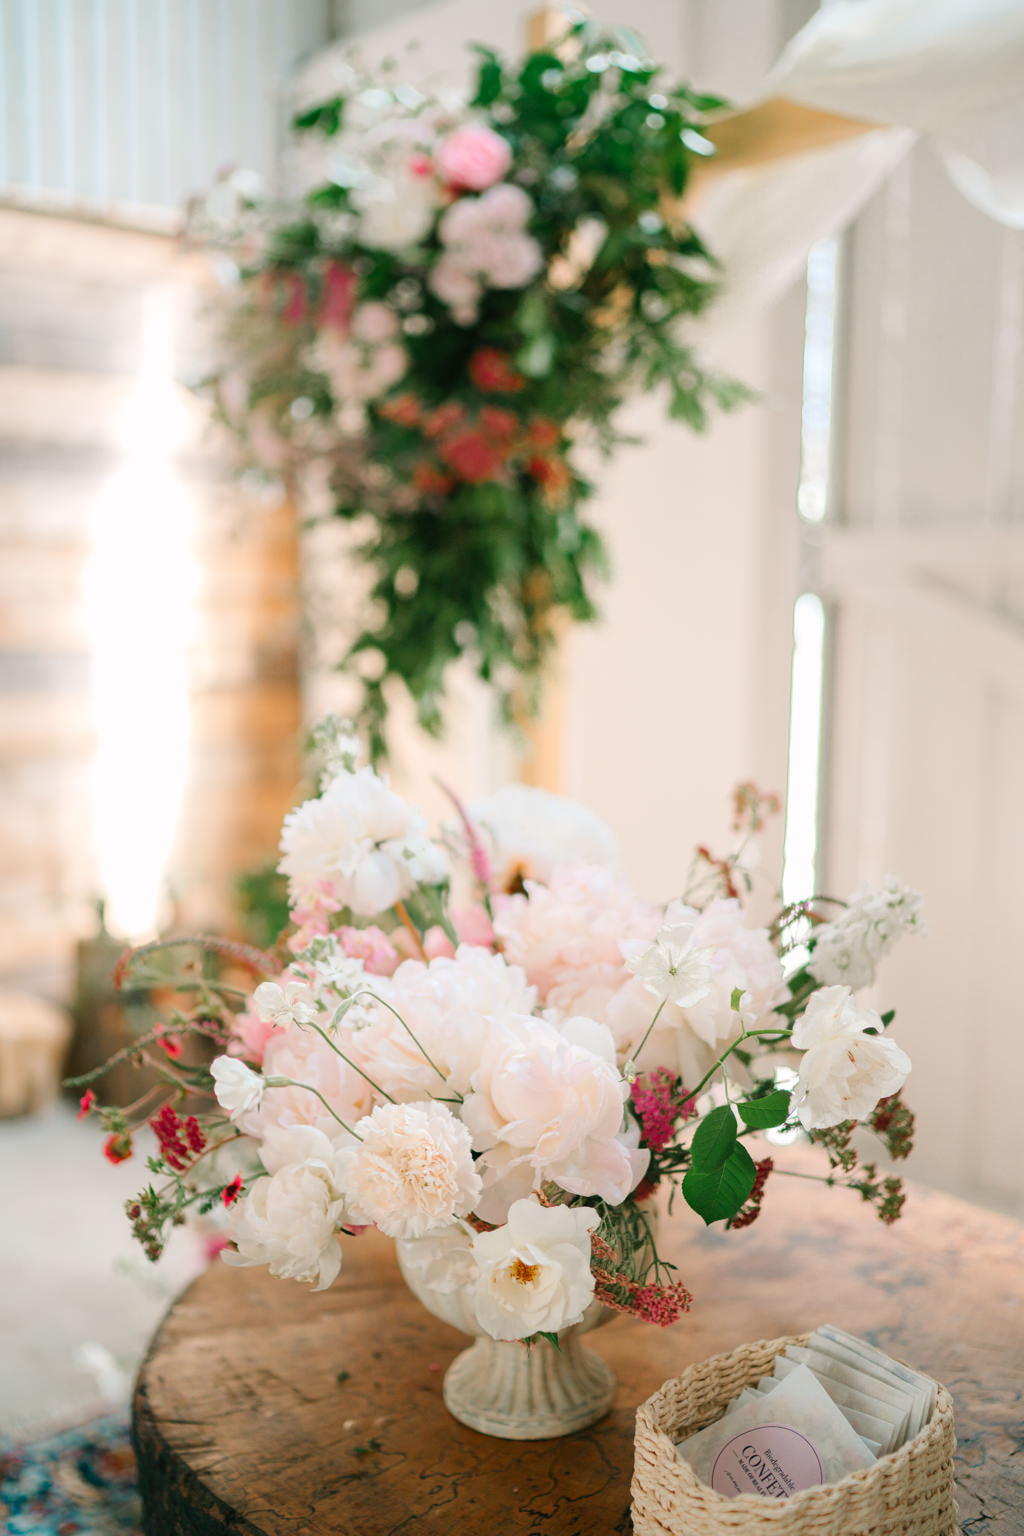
column 542, row 432
column 86, row 1103
column 492, row 371
column 552, row 474
column 339, row 295
column 430, row 480
column 168, row 1129
column 405, row 410
column 472, row 456
column 118, row 1147
column 660, row 1105
column 500, row 426
column 752, row 1209
column 444, row 418
column 230, row 1193
column 194, row 1134
column 421, row 165
column 170, row 1043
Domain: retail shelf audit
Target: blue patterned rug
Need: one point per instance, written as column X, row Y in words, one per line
column 80, row 1481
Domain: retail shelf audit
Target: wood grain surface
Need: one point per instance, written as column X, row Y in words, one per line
column 263, row 1408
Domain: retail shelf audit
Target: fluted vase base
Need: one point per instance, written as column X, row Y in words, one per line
column 503, row 1388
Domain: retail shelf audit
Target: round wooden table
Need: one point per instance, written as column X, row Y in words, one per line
column 264, row 1409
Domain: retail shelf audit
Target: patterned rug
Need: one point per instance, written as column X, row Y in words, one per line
column 80, row 1481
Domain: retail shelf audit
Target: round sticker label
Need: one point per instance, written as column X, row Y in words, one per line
column 771, row 1459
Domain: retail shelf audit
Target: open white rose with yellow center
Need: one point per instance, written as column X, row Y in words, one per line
column 289, row 1219
column 534, row 1273
column 413, row 1171
column 844, row 1071
column 551, row 1098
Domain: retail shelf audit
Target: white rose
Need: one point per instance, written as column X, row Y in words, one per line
column 395, row 212
column 413, row 1172
column 534, row 1272
column 237, row 1087
column 289, row 1219
column 843, row 1072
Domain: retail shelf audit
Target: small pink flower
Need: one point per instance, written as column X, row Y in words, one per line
column 86, row 1103
column 437, row 944
column 372, row 946
column 473, row 157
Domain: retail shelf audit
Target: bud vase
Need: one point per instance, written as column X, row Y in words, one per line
column 500, row 1387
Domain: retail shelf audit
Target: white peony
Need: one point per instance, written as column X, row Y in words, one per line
column 533, row 832
column 444, row 1260
column 413, row 1172
column 289, row 1219
column 847, row 950
column 568, row 936
column 844, row 1072
column 360, row 841
column 552, row 1099
column 306, row 1058
column 447, row 1005
column 534, row 1272
column 238, row 1088
column 673, row 970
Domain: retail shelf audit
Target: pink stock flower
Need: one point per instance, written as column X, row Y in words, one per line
column 473, row 158
column 372, row 946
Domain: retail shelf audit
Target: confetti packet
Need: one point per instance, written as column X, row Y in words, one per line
column 850, row 1388
column 776, row 1443
column 923, row 1387
column 859, row 1414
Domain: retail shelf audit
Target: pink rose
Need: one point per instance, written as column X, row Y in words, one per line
column 473, row 157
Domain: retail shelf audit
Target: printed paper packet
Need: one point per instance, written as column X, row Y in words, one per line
column 829, row 1408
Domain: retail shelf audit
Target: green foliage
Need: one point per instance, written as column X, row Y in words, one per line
column 763, row 1113
column 478, row 563
column 718, row 1193
column 714, row 1139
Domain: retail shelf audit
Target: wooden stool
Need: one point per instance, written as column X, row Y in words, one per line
column 264, row 1409
column 33, row 1038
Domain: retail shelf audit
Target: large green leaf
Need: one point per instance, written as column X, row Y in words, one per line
column 718, row 1193
column 760, row 1114
column 714, row 1139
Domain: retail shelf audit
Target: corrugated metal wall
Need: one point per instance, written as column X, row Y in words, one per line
column 107, row 104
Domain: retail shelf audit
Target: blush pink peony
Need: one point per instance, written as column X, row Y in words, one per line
column 473, row 158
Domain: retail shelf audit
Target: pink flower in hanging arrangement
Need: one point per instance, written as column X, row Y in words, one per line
column 431, row 481
column 405, row 410
column 473, row 158
column 473, row 456
column 338, row 295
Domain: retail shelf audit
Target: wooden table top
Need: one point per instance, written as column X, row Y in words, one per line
column 264, row 1409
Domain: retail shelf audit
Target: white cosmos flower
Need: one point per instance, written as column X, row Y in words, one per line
column 673, row 969
column 292, row 1003
column 289, row 1219
column 238, row 1088
column 413, row 1172
column 844, row 1072
column 534, row 1273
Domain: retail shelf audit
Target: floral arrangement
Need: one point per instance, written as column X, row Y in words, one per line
column 465, row 296
column 487, row 1045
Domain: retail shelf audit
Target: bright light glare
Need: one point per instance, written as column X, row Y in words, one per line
column 140, row 589
column 816, row 409
column 800, row 854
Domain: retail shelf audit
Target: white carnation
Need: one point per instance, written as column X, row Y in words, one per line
column 847, row 950
column 844, row 1072
column 289, row 1219
column 534, row 1273
column 413, row 1172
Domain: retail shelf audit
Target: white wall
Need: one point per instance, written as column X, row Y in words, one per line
column 681, row 691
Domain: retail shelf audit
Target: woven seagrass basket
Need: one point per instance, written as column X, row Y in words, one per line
column 907, row 1493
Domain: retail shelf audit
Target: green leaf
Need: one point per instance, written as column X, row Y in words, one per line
column 734, row 1001
column 714, row 1140
column 552, row 1338
column 773, row 1109
column 888, row 1017
column 719, row 1194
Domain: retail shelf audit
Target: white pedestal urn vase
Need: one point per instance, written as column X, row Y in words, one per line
column 501, row 1387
